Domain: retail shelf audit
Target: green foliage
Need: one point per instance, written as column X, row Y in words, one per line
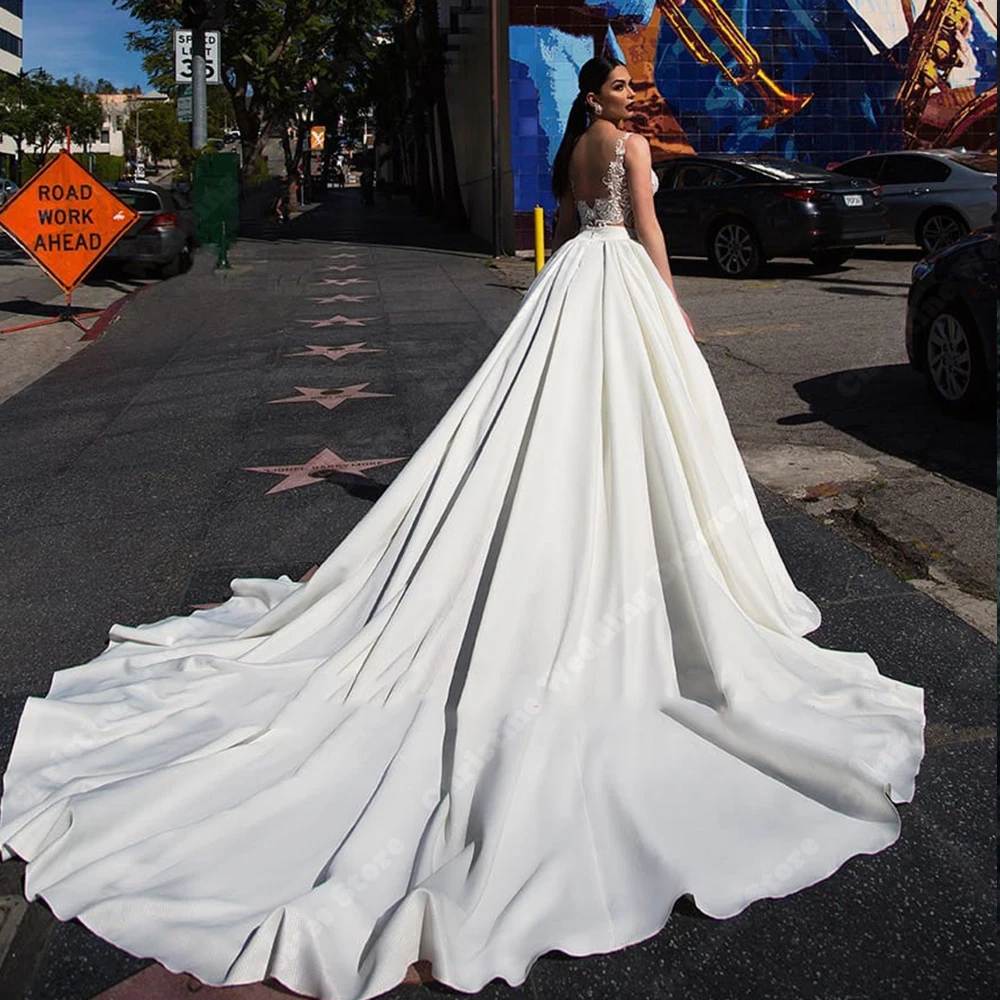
column 105, row 166
column 35, row 111
column 282, row 61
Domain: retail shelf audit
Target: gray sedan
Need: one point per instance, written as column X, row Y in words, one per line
column 933, row 197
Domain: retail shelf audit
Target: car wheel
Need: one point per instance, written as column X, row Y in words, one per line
column 830, row 260
column 955, row 369
column 734, row 250
column 940, row 229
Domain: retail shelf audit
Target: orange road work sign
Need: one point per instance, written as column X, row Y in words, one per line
column 317, row 137
column 66, row 219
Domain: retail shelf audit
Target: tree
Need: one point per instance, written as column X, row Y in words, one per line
column 36, row 111
column 160, row 133
column 271, row 51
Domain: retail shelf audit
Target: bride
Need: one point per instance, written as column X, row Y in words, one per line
column 554, row 679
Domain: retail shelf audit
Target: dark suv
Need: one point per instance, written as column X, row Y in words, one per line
column 164, row 236
column 950, row 317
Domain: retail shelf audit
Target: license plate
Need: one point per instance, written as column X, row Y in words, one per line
column 853, row 200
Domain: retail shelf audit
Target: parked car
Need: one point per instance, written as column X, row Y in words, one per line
column 7, row 188
column 740, row 211
column 951, row 321
column 933, row 197
column 164, row 236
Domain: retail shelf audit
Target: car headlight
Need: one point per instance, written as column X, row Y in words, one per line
column 921, row 270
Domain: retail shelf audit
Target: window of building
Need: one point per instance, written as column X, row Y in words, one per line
column 105, row 135
column 10, row 43
column 16, row 7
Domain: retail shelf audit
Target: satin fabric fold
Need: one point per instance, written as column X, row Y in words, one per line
column 553, row 680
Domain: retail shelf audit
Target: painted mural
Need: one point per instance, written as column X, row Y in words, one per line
column 815, row 80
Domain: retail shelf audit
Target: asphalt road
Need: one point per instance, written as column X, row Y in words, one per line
column 127, row 494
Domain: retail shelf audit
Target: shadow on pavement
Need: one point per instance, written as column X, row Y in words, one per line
column 391, row 221
column 889, row 408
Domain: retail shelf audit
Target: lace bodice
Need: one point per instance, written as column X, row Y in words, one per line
column 616, row 208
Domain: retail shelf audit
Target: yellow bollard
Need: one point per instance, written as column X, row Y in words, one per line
column 539, row 238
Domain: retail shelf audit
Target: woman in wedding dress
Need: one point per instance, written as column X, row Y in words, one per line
column 554, row 679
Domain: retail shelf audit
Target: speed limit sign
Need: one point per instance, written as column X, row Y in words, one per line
column 183, row 44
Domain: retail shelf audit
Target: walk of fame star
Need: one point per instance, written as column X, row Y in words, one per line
column 322, row 462
column 337, row 321
column 340, row 298
column 343, row 267
column 344, row 281
column 330, row 398
column 334, row 353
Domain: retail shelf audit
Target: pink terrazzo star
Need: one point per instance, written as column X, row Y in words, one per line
column 334, row 353
column 338, row 321
column 330, row 398
column 157, row 983
column 322, row 462
column 340, row 298
column 344, row 281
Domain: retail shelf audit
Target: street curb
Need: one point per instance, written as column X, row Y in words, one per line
column 108, row 316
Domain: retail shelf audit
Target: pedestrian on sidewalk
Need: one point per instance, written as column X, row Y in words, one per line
column 556, row 678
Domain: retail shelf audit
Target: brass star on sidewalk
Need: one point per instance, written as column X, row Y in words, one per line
column 322, row 462
column 335, row 353
column 330, row 398
column 339, row 298
column 344, row 281
column 338, row 321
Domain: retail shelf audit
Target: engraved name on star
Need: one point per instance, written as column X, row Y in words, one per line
column 325, row 301
column 331, row 398
column 341, row 282
column 334, row 353
column 324, row 461
column 338, row 321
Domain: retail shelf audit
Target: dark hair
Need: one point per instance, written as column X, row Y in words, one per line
column 593, row 74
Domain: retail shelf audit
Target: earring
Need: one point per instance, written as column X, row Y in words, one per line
column 596, row 109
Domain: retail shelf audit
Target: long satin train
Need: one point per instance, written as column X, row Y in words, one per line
column 552, row 681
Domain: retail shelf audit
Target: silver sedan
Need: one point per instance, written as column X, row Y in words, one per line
column 935, row 196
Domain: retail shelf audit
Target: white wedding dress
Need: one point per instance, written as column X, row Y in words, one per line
column 552, row 681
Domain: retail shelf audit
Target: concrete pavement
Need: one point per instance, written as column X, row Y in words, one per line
column 124, row 496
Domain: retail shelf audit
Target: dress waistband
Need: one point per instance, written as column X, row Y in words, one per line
column 604, row 233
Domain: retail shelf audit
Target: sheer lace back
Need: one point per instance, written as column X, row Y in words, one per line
column 615, row 208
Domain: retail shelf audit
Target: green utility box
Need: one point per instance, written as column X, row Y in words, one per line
column 217, row 197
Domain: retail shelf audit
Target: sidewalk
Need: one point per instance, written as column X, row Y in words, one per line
column 125, row 499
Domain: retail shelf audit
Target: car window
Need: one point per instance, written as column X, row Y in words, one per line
column 981, row 162
column 902, row 169
column 693, row 175
column 721, row 177
column 867, row 168
column 665, row 173
column 141, row 201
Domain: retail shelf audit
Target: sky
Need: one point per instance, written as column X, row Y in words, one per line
column 81, row 36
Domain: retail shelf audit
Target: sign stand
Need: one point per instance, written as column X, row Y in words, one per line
column 66, row 315
column 73, row 221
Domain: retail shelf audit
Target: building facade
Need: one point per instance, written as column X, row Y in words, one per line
column 11, row 46
column 815, row 80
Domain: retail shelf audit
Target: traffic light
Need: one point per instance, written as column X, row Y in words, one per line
column 208, row 15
